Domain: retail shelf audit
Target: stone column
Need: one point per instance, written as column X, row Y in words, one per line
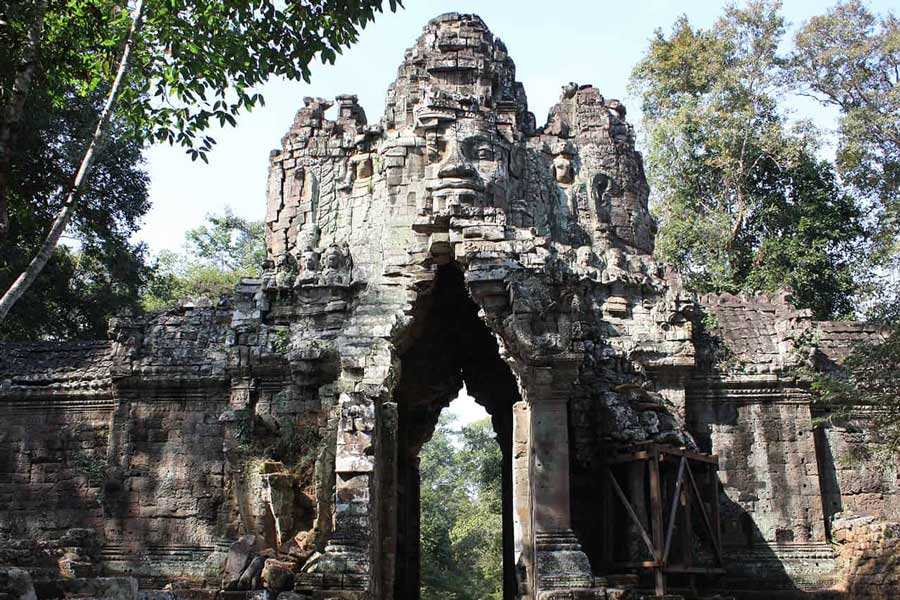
column 560, row 563
column 521, row 491
column 344, row 568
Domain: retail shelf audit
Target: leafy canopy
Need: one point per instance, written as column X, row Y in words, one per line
column 192, row 63
column 100, row 271
column 215, row 257
column 198, row 61
column 743, row 202
column 195, row 62
column 850, row 59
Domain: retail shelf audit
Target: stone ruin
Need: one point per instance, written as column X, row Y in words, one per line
column 271, row 439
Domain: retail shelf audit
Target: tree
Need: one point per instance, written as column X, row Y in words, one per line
column 101, row 271
column 53, row 52
column 229, row 242
column 199, row 61
column 850, row 59
column 461, row 518
column 216, row 256
column 744, row 203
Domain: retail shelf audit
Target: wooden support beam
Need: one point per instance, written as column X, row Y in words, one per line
column 658, row 535
column 713, row 535
column 615, row 485
column 674, row 512
column 687, row 528
column 714, row 505
column 694, row 570
column 608, row 520
column 656, row 516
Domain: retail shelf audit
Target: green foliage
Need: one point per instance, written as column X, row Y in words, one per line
column 215, row 258
column 849, row 58
column 295, row 443
column 805, row 236
column 196, row 62
column 870, row 377
column 461, row 524
column 201, row 59
column 229, row 242
column 78, row 50
column 743, row 202
column 101, row 272
column 281, row 340
column 91, row 467
column 192, row 63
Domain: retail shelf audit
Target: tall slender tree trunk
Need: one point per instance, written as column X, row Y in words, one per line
column 27, row 278
column 15, row 107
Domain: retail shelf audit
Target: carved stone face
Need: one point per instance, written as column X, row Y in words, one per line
column 309, row 260
column 470, row 165
column 563, row 171
column 333, row 258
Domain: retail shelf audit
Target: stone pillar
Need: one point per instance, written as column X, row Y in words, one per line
column 521, row 490
column 344, row 569
column 560, row 563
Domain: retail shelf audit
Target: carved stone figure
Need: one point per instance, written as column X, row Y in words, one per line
column 308, row 271
column 285, row 270
column 563, row 169
column 336, row 265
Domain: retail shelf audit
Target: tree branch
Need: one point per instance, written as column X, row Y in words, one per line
column 28, row 277
column 15, row 108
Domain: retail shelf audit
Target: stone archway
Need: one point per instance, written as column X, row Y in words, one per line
column 448, row 345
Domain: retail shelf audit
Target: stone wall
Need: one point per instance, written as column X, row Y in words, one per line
column 143, row 456
column 785, row 467
column 868, row 554
column 858, row 476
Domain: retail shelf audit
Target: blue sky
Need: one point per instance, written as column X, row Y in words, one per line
column 552, row 43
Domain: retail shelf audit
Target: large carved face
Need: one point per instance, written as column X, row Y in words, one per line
column 469, row 165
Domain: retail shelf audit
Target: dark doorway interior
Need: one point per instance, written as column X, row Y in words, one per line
column 449, row 345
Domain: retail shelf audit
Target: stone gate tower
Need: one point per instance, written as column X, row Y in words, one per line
column 455, row 241
column 276, row 433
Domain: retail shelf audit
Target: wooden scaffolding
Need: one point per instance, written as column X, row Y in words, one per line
column 662, row 493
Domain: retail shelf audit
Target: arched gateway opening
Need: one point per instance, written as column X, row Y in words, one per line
column 449, row 345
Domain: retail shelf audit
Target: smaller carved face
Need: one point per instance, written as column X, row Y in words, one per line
column 585, row 256
column 616, row 258
column 334, row 259
column 563, row 171
column 309, row 261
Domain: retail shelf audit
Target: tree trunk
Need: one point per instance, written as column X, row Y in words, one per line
column 27, row 278
column 15, row 107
